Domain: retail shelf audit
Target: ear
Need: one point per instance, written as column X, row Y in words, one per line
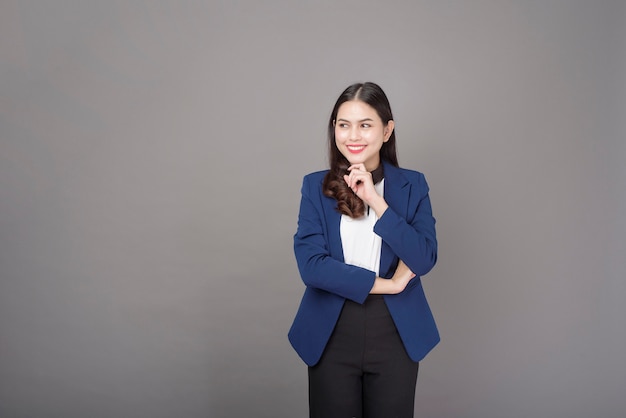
column 388, row 130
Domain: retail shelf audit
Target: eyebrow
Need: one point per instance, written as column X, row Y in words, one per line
column 362, row 120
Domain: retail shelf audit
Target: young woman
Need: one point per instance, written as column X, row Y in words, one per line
column 365, row 236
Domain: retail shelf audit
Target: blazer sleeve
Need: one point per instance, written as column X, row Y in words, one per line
column 412, row 239
column 318, row 268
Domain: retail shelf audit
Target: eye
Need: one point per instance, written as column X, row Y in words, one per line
column 366, row 125
column 342, row 125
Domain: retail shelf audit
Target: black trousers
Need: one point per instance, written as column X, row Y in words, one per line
column 365, row 371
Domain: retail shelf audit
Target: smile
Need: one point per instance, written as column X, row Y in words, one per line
column 355, row 149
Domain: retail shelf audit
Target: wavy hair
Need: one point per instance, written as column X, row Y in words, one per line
column 348, row 203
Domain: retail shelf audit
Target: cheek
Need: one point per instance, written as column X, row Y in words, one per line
column 378, row 136
column 373, row 137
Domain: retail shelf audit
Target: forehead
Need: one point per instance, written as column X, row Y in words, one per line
column 356, row 110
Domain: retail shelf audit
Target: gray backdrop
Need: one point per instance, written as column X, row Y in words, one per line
column 151, row 160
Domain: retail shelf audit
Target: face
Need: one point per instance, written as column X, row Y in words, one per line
column 360, row 133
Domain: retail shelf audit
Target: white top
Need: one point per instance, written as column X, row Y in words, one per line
column 361, row 246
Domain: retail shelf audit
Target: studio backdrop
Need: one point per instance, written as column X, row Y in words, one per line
column 151, row 157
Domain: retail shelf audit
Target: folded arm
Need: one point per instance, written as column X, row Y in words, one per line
column 413, row 240
column 317, row 267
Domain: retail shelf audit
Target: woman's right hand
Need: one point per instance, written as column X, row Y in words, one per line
column 402, row 276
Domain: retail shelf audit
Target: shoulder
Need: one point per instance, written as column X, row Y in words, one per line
column 314, row 179
column 404, row 175
column 412, row 176
column 312, row 183
column 315, row 176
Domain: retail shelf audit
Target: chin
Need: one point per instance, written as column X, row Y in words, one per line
column 354, row 159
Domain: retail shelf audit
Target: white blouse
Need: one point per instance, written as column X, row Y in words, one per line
column 361, row 246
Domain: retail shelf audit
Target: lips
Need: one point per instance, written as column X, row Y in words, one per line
column 355, row 149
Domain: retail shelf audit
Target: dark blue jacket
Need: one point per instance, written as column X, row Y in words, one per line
column 407, row 229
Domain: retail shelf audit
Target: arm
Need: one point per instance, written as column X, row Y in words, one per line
column 317, row 267
column 401, row 277
column 413, row 239
column 320, row 270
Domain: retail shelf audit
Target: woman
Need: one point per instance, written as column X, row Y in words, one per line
column 365, row 236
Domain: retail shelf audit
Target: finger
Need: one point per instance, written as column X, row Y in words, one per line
column 357, row 179
column 363, row 177
column 356, row 171
column 353, row 171
column 347, row 179
column 350, row 181
column 359, row 166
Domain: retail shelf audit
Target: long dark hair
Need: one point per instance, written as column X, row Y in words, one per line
column 348, row 203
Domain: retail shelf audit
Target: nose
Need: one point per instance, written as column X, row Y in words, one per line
column 355, row 133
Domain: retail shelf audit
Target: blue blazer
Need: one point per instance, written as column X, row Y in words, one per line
column 407, row 229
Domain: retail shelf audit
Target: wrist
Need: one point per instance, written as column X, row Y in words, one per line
column 384, row 286
column 379, row 205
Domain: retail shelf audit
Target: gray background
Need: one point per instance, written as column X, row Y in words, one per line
column 150, row 167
